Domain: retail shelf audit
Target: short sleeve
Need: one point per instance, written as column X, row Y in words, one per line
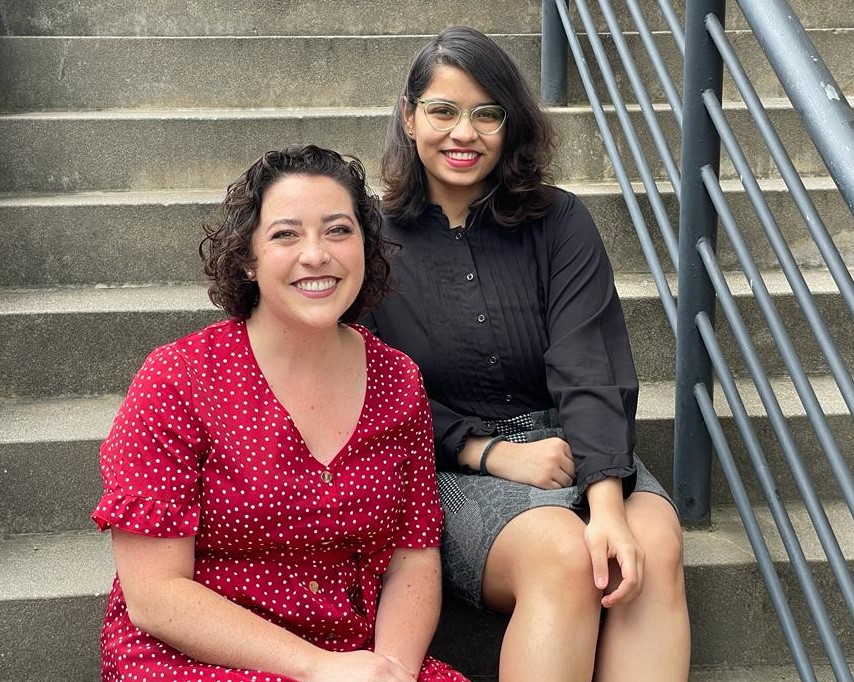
column 421, row 520
column 151, row 459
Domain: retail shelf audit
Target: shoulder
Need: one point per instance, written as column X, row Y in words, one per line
column 394, row 366
column 192, row 353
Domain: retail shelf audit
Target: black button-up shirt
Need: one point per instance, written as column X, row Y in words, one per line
column 504, row 321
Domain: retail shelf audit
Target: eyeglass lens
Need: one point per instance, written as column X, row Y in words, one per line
column 486, row 119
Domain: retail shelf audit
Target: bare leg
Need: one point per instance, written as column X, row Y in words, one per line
column 539, row 569
column 649, row 638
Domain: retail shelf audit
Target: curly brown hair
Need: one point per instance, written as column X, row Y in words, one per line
column 226, row 250
column 517, row 188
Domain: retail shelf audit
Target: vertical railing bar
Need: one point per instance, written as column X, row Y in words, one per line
column 647, row 245
column 784, row 344
column 781, row 249
column 670, row 91
column 812, row 220
column 789, row 448
column 754, row 534
column 811, row 88
column 646, row 107
column 673, row 24
column 553, row 54
column 692, row 460
column 632, row 139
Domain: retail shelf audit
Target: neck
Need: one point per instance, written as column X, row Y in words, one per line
column 287, row 348
column 455, row 204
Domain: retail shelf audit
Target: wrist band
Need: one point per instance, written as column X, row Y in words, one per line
column 486, row 450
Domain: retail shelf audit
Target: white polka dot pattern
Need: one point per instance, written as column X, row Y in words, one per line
column 201, row 446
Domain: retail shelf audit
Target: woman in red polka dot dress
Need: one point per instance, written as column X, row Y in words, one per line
column 269, row 480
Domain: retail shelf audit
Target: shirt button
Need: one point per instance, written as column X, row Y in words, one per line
column 326, row 477
column 493, row 359
column 481, row 318
column 458, row 235
column 314, row 587
column 470, row 276
column 508, row 398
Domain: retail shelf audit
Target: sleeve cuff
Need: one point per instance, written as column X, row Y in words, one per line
column 146, row 516
column 628, row 476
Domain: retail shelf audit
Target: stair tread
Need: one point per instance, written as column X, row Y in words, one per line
column 80, row 563
column 166, row 197
column 40, row 421
column 193, row 296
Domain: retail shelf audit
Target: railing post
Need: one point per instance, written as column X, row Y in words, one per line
column 692, row 459
column 553, row 55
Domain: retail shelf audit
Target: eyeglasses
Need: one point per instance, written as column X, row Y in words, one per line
column 486, row 119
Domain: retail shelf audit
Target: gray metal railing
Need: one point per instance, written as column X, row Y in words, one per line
column 704, row 125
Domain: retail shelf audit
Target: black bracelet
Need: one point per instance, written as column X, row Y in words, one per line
column 486, row 450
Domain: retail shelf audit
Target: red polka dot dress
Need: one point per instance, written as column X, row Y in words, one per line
column 202, row 447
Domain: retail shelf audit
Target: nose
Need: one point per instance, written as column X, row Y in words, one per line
column 464, row 129
column 314, row 254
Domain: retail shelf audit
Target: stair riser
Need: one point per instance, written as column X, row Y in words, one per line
column 93, row 353
column 182, row 150
column 150, row 242
column 309, row 17
column 53, row 486
column 62, row 74
column 51, row 640
column 62, row 634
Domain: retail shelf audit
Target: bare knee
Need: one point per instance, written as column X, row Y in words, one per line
column 657, row 530
column 541, row 555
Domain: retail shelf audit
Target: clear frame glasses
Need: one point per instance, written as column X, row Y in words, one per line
column 486, row 119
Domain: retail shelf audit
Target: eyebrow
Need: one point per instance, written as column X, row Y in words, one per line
column 326, row 219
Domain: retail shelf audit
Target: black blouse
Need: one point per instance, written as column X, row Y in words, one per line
column 504, row 321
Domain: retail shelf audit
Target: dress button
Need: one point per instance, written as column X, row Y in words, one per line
column 314, row 587
column 470, row 276
column 493, row 359
column 326, row 477
column 481, row 318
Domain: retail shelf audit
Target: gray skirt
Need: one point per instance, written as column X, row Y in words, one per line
column 478, row 507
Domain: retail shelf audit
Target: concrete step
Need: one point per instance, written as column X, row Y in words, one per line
column 178, row 149
column 50, row 480
column 79, row 73
column 90, row 341
column 310, row 17
column 144, row 237
column 60, row 612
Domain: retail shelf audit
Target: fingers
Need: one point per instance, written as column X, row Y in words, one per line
column 598, row 548
column 629, row 587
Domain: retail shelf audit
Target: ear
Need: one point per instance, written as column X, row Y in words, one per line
column 407, row 115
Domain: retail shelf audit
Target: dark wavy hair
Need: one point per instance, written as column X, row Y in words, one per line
column 516, row 188
column 226, row 250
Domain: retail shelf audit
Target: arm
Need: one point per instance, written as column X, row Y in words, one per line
column 589, row 368
column 156, row 575
column 409, row 607
column 609, row 539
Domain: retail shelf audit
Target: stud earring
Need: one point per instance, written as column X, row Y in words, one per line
column 250, row 275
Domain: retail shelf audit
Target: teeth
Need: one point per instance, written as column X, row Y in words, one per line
column 462, row 156
column 315, row 284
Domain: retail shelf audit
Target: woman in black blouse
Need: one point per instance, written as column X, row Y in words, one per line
column 506, row 299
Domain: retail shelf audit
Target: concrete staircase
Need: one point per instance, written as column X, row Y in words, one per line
column 121, row 124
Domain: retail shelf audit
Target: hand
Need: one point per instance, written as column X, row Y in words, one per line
column 617, row 558
column 546, row 463
column 358, row 666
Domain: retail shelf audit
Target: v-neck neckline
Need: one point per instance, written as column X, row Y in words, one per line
column 287, row 415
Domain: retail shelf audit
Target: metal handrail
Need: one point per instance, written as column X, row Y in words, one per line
column 705, row 48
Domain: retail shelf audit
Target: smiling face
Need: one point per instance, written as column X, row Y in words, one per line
column 309, row 253
column 456, row 162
